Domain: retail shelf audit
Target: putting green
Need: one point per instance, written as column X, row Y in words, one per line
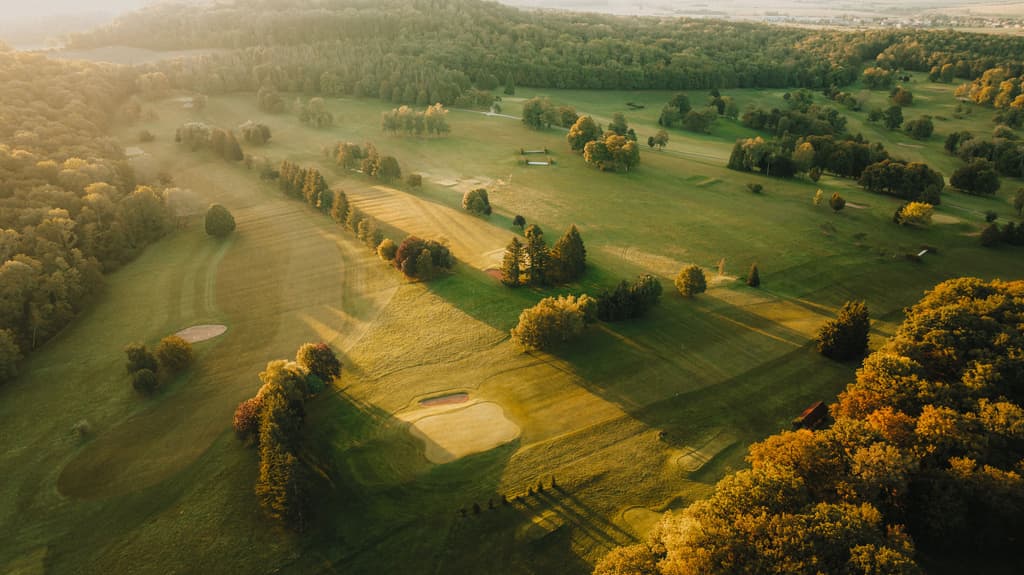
column 451, row 432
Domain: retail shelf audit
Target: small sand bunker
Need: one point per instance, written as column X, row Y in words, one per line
column 451, row 398
column 857, row 206
column 693, row 458
column 641, row 519
column 201, row 332
column 457, row 432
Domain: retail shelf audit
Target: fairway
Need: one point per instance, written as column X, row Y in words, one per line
column 436, row 408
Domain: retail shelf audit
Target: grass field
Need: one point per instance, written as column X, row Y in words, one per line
column 635, row 418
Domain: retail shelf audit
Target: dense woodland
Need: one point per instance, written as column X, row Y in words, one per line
column 375, row 48
column 69, row 205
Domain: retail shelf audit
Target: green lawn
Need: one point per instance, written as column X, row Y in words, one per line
column 162, row 485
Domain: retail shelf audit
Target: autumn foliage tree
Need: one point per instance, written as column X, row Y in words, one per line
column 554, row 320
column 174, row 354
column 691, row 281
column 320, row 360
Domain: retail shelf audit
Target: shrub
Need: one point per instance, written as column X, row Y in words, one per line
column 219, row 221
column 414, row 181
column 754, row 277
column 144, row 380
column 477, row 202
column 755, row 188
column 82, row 428
column 691, row 281
column 174, row 354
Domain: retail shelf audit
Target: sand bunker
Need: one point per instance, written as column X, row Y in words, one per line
column 451, row 398
column 693, row 458
column 201, row 332
column 451, row 433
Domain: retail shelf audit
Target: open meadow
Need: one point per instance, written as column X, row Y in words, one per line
column 436, row 408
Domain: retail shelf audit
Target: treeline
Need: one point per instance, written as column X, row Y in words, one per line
column 70, row 207
column 1004, row 155
column 273, row 420
column 433, row 121
column 924, row 452
column 997, row 87
column 415, row 257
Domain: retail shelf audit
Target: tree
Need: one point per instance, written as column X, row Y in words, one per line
column 990, row 236
column 521, row 221
column 538, row 113
column 10, row 355
column 512, row 263
column 635, row 559
column 319, row 359
column 836, row 202
column 1018, row 202
column 553, row 320
column 583, row 131
column 389, row 170
column 892, row 118
column 916, row 214
column 618, row 124
column 510, row 85
column 246, row 421
column 753, row 277
column 629, row 300
column 755, row 188
column 900, row 96
column 387, row 249
column 660, row 139
column 414, row 181
column 409, row 257
column 144, row 381
column 174, row 354
column 219, row 221
column 536, row 256
column 846, row 337
column 568, row 256
column 255, row 133
column 691, row 281
column 139, row 358
column 978, row 178
column 477, row 202
column 819, row 197
column 921, row 128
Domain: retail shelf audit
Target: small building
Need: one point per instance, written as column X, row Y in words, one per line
column 812, row 417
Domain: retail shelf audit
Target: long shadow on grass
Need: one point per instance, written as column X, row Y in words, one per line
column 382, row 507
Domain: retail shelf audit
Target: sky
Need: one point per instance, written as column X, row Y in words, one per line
column 17, row 10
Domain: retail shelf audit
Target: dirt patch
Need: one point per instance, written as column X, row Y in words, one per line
column 449, row 434
column 451, row 398
column 494, row 273
column 201, row 332
column 693, row 458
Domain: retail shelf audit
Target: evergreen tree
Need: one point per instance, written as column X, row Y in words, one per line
column 232, row 150
column 537, row 256
column 510, row 85
column 568, row 257
column 339, row 207
column 846, row 337
column 519, row 221
column 753, row 278
column 512, row 263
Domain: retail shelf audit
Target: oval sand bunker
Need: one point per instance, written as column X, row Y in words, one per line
column 201, row 332
column 457, row 433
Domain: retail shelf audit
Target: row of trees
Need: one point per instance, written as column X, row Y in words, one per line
column 925, row 450
column 273, row 420
column 534, row 264
column 432, row 121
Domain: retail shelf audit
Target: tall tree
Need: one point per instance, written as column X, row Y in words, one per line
column 583, row 131
column 754, row 276
column 846, row 337
column 536, row 256
column 568, row 256
column 512, row 263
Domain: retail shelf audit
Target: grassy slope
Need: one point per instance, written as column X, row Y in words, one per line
column 163, row 486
